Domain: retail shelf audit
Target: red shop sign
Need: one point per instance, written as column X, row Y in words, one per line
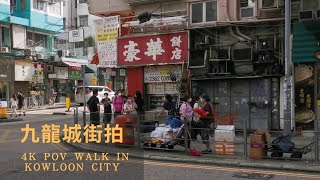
column 154, row 49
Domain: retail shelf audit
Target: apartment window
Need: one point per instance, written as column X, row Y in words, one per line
column 64, row 3
column 247, row 8
column 268, row 3
column 79, row 44
column 40, row 5
column 55, row 9
column 82, row 1
column 83, row 21
column 204, row 12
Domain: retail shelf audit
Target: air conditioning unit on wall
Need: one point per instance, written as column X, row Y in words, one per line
column 40, row 56
column 247, row 12
column 270, row 13
column 73, row 54
column 30, row 43
column 306, row 15
column 5, row 50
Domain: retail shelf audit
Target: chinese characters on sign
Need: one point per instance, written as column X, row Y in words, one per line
column 23, row 70
column 169, row 73
column 154, row 49
column 106, row 38
column 92, row 133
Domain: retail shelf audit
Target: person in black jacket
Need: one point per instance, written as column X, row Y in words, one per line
column 94, row 108
column 139, row 101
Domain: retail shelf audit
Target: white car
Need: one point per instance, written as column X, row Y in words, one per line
column 89, row 93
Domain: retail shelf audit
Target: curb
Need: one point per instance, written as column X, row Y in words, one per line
column 59, row 113
column 10, row 120
column 216, row 162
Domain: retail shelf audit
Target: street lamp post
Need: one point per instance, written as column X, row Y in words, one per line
column 288, row 81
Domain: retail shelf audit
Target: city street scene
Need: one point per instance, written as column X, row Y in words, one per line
column 159, row 89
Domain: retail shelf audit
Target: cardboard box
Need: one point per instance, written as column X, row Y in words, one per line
column 257, row 139
column 224, row 148
column 257, row 153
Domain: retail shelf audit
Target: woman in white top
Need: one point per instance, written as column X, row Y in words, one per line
column 130, row 106
column 14, row 105
column 197, row 105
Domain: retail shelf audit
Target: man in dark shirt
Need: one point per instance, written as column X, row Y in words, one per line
column 94, row 108
column 20, row 103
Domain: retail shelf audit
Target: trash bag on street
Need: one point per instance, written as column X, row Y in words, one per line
column 283, row 144
column 174, row 122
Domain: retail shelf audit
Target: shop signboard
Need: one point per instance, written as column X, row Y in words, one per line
column 23, row 71
column 74, row 73
column 62, row 72
column 38, row 75
column 153, row 49
column 304, row 96
column 167, row 73
column 106, row 38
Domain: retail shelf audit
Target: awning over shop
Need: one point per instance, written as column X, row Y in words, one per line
column 73, row 64
column 75, row 60
column 88, row 70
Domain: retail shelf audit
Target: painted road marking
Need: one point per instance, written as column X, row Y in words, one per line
column 4, row 135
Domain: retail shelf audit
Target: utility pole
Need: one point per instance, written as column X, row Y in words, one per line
column 287, row 95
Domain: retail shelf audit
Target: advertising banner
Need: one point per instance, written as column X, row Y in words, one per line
column 106, row 38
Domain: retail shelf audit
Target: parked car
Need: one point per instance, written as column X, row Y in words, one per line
column 89, row 91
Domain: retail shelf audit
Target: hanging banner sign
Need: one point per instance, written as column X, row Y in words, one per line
column 106, row 38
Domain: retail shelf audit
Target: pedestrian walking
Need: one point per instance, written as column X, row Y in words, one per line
column 21, row 103
column 205, row 122
column 94, row 108
column 53, row 95
column 140, row 103
column 14, row 105
column 118, row 103
column 106, row 102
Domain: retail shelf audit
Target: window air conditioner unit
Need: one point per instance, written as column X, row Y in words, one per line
column 242, row 54
column 30, row 43
column 73, row 54
column 28, row 52
column 52, row 1
column 220, row 54
column 40, row 56
column 247, row 12
column 318, row 14
column 270, row 13
column 65, row 53
column 306, row 15
column 4, row 50
column 49, row 68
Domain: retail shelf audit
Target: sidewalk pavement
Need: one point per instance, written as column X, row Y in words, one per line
column 209, row 159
